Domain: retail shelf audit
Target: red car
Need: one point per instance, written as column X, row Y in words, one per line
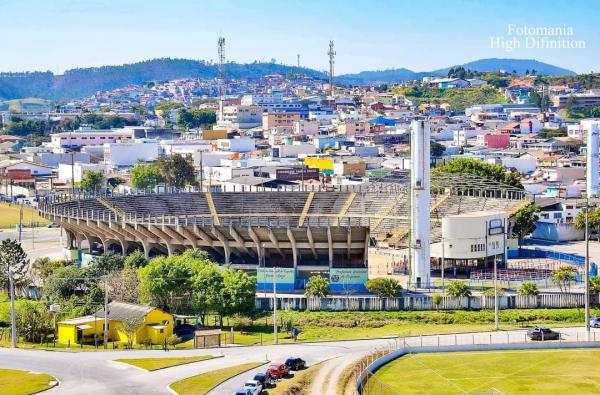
column 277, row 370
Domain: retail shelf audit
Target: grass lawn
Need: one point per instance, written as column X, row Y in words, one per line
column 161, row 363
column 18, row 382
column 319, row 326
column 508, row 372
column 202, row 383
column 297, row 385
column 9, row 216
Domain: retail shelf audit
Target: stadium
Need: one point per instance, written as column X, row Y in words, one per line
column 342, row 232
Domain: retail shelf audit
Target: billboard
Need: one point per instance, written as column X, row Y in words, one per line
column 285, row 278
column 348, row 279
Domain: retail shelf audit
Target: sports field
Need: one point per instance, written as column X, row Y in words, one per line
column 546, row 372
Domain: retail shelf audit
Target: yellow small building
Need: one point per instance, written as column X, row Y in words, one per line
column 153, row 324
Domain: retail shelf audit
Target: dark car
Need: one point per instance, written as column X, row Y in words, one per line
column 278, row 370
column 265, row 379
column 184, row 331
column 295, row 363
column 543, row 334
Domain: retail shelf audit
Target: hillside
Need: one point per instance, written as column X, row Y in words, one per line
column 377, row 76
column 508, row 65
column 86, row 81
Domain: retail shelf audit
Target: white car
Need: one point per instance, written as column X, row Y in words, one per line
column 254, row 386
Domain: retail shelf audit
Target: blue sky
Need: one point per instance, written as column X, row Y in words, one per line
column 369, row 35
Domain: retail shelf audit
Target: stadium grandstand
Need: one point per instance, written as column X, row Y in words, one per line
column 329, row 230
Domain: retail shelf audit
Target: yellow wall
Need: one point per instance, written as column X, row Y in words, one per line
column 68, row 332
column 319, row 163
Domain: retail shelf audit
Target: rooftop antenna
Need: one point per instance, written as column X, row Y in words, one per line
column 331, row 54
column 221, row 78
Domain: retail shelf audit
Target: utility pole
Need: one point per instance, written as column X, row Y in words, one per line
column 276, row 340
column 331, row 54
column 20, row 220
column 105, row 329
column 13, row 320
column 587, row 268
column 496, row 292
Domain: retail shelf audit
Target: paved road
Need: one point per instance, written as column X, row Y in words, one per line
column 38, row 242
column 80, row 372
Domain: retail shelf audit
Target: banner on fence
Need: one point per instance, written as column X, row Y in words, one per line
column 348, row 279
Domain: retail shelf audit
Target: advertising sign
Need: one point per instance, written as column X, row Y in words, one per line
column 284, row 278
column 348, row 279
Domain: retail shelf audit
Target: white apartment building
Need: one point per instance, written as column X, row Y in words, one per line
column 128, row 154
column 78, row 139
column 306, row 127
column 240, row 117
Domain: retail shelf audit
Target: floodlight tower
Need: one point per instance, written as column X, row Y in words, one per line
column 420, row 185
column 221, row 78
column 331, row 54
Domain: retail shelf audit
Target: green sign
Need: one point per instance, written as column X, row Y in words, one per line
column 286, row 275
column 348, row 276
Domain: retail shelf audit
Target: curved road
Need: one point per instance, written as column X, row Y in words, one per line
column 90, row 371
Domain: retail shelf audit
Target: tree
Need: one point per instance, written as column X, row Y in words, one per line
column 64, row 283
column 481, row 169
column 145, row 176
column 177, row 170
column 593, row 221
column 34, row 321
column 436, row 149
column 563, row 277
column 108, row 262
column 595, row 284
column 206, row 286
column 13, row 259
column 92, row 181
column 525, row 220
column 135, row 260
column 458, row 289
column 384, row 287
column 130, row 327
column 43, row 267
column 528, row 288
column 436, row 299
column 237, row 294
column 168, row 281
column 196, row 118
column 124, row 286
column 317, row 287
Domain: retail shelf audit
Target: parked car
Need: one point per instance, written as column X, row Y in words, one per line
column 595, row 322
column 264, row 379
column 254, row 386
column 243, row 391
column 295, row 363
column 543, row 334
column 53, row 225
column 185, row 331
column 277, row 370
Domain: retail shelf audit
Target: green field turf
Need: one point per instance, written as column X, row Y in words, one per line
column 571, row 372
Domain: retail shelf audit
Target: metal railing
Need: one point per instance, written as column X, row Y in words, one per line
column 367, row 382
